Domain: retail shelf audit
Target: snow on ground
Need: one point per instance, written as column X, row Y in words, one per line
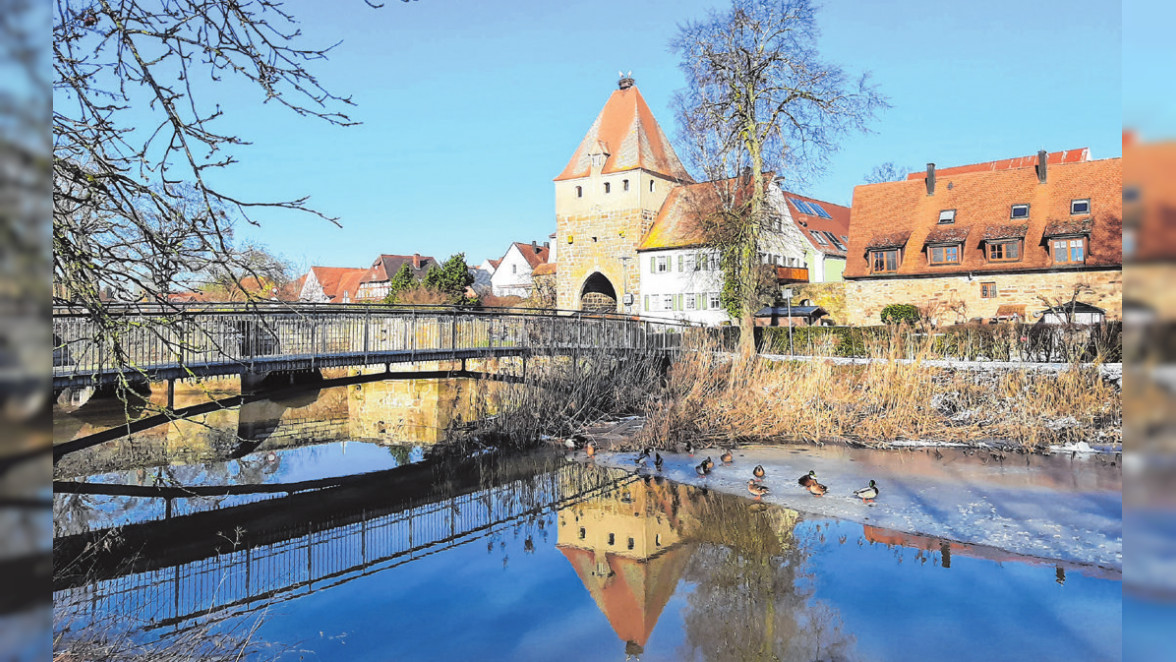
column 1062, row 508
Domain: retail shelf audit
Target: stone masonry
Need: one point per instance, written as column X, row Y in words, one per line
column 957, row 298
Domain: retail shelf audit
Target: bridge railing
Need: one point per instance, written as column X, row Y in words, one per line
column 150, row 338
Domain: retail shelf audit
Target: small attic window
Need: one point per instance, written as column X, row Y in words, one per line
column 947, row 217
column 651, row 186
column 1019, row 211
column 1080, row 206
column 625, row 184
column 607, row 187
column 579, row 191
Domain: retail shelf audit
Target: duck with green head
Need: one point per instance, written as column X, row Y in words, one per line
column 867, row 493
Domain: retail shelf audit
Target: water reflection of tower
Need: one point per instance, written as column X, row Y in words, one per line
column 628, row 546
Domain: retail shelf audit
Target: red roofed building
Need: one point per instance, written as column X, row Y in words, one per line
column 375, row 284
column 330, row 284
column 969, row 242
column 512, row 275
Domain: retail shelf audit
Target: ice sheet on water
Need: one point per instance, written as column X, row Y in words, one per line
column 1054, row 508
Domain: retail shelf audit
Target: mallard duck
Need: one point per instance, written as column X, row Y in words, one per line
column 710, row 464
column 658, row 461
column 867, row 493
column 758, row 471
column 817, row 489
column 642, row 456
column 590, row 449
column 727, row 457
column 756, row 488
column 702, row 469
column 690, row 449
column 807, row 479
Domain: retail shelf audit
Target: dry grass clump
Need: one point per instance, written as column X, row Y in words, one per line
column 709, row 396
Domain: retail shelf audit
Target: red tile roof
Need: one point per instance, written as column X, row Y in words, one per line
column 386, row 266
column 681, row 221
column 1151, row 211
column 534, row 255
column 892, row 214
column 838, row 226
column 337, row 280
column 627, row 132
column 1053, row 158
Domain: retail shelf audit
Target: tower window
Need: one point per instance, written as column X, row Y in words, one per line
column 1080, row 206
column 651, row 186
column 625, row 184
column 582, row 533
column 632, row 543
column 612, row 539
column 579, row 191
column 607, row 187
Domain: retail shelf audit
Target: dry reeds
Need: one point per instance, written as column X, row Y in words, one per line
column 711, row 396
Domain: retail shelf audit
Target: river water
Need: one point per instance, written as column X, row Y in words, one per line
column 331, row 528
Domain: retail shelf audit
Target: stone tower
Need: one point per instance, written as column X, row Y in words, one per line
column 607, row 198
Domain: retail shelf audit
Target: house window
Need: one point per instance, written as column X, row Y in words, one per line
column 668, row 302
column 844, row 239
column 817, row 235
column 514, row 268
column 987, row 290
column 1069, row 251
column 884, row 261
column 579, row 191
column 625, row 184
column 1080, row 206
column 944, row 254
column 714, row 301
column 661, row 265
column 1004, row 251
column 651, row 186
column 833, row 238
column 690, row 301
column 607, row 187
column 1129, row 241
column 1019, row 211
column 947, row 217
column 691, row 263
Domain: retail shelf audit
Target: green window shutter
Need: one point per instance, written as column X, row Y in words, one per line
column 698, row 302
column 652, row 264
column 679, row 263
column 647, row 303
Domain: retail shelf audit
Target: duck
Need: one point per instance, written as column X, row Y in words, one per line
column 690, row 449
column 758, row 471
column 817, row 489
column 726, row 457
column 702, row 469
column 658, row 461
column 710, row 464
column 642, row 456
column 867, row 493
column 807, row 479
column 757, row 489
column 590, row 448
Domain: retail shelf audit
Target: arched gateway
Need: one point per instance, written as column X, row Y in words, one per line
column 598, row 295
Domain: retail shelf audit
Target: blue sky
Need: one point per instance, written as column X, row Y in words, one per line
column 469, row 109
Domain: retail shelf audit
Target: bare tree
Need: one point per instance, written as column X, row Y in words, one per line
column 759, row 99
column 886, row 172
column 136, row 205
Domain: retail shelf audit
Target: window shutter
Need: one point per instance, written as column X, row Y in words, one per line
column 652, row 264
column 647, row 303
column 679, row 263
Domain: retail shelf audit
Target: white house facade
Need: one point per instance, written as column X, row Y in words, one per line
column 513, row 275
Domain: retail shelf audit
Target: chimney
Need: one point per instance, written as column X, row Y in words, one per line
column 416, row 260
column 1041, row 159
column 930, row 179
column 535, row 246
column 547, row 245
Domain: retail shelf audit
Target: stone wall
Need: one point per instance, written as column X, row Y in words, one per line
column 597, row 242
column 957, row 298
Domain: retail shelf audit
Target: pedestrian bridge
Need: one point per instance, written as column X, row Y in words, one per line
column 199, row 340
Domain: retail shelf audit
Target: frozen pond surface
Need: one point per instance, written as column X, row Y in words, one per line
column 1066, row 507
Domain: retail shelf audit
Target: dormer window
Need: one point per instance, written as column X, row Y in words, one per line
column 607, row 187
column 1004, row 251
column 625, row 184
column 944, row 254
column 579, row 191
column 885, row 261
column 947, row 217
column 1019, row 211
column 597, row 160
column 1080, row 206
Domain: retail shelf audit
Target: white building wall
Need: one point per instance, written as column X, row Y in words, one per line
column 513, row 276
column 312, row 289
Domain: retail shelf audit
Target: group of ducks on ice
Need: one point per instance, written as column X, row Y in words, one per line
column 755, row 485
